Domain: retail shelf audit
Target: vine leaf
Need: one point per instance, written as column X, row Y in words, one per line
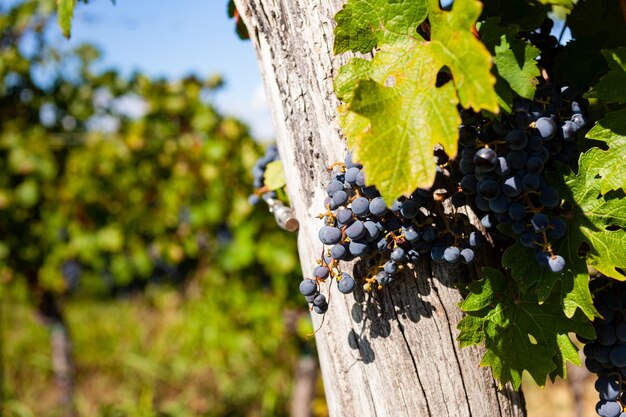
column 519, row 334
column 467, row 57
column 597, row 220
column 406, row 120
column 274, row 175
column 364, row 24
column 514, row 59
column 612, row 131
column 64, row 15
column 400, row 107
column 574, row 279
column 516, row 64
column 612, row 87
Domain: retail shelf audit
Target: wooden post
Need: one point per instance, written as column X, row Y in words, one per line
column 396, row 356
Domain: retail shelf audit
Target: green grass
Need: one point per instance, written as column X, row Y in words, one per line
column 214, row 350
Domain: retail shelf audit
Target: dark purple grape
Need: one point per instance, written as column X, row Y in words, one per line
column 452, row 254
column 358, row 248
column 476, row 239
column 436, row 253
column 321, row 272
column 545, row 128
column 356, row 230
column 378, row 207
column 398, row 254
column 540, row 222
column 608, row 408
column 339, row 252
column 485, row 159
column 467, row 256
column 488, row 189
column 517, row 211
column 333, row 186
column 390, row 267
column 351, row 174
column 516, row 139
column 579, row 120
column 409, row 209
column 344, row 216
column 360, row 179
column 360, row 206
column 340, row 197
column 346, row 284
column 568, row 131
column 329, row 235
column 371, row 231
column 308, row 287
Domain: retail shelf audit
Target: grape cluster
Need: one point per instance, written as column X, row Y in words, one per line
column 359, row 224
column 606, row 356
column 258, row 173
column 498, row 172
column 503, row 161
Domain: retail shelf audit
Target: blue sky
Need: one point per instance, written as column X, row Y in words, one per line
column 166, row 38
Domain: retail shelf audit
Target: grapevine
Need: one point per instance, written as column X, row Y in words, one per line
column 544, row 200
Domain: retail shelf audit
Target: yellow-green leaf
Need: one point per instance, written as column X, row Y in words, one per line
column 64, row 15
column 274, row 175
column 408, row 115
column 402, row 113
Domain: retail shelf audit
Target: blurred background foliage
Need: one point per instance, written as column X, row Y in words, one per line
column 125, row 228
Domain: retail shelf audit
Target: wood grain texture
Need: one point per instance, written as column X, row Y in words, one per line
column 392, row 354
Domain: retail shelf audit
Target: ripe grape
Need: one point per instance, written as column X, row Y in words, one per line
column 346, row 284
column 308, row 287
column 545, row 128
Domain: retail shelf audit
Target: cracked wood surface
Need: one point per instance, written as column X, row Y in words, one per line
column 395, row 355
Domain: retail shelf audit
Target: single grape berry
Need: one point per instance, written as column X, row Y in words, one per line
column 321, row 272
column 378, row 207
column 356, row 230
column 398, row 254
column 467, row 255
column 308, row 287
column 545, row 128
column 540, row 222
column 485, row 160
column 556, row 264
column 346, row 284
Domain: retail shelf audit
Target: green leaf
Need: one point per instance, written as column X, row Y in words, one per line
column 399, row 107
column 612, row 87
column 274, row 175
column 407, row 119
column 597, row 220
column 519, row 334
column 65, row 14
column 567, row 352
column 349, row 75
column 612, row 131
column 471, row 331
column 516, row 64
column 574, row 289
column 593, row 220
column 364, row 24
column 514, row 59
column 467, row 57
column 528, row 274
